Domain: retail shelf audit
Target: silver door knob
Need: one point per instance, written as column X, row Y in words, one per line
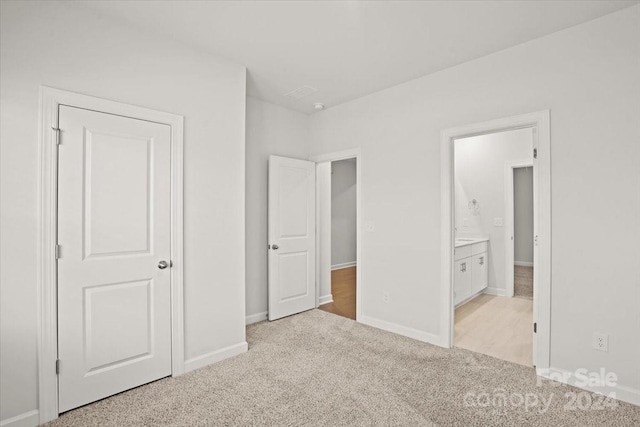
column 163, row 264
column 275, row 247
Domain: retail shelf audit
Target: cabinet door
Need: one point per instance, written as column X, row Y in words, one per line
column 479, row 272
column 462, row 280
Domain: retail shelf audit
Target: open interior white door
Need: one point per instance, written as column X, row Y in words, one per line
column 536, row 248
column 114, row 295
column 292, row 237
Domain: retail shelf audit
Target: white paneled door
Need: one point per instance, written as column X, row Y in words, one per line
column 292, row 238
column 114, row 296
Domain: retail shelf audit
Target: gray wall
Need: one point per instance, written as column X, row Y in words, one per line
column 523, row 214
column 587, row 76
column 343, row 212
column 270, row 130
column 479, row 174
column 69, row 47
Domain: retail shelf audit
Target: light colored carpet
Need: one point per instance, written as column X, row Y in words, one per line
column 317, row 368
column 523, row 282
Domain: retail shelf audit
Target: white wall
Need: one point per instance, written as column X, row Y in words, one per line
column 479, row 174
column 523, row 215
column 270, row 130
column 62, row 45
column 343, row 212
column 589, row 77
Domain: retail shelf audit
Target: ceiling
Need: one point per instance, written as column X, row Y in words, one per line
column 348, row 49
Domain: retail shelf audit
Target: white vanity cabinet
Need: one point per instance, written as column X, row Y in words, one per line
column 479, row 273
column 462, row 281
column 470, row 269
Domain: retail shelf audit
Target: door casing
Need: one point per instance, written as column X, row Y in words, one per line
column 539, row 121
column 47, row 325
column 321, row 220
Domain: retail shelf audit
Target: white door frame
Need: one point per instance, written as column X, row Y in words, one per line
column 332, row 157
column 47, row 321
column 539, row 121
column 323, row 233
column 509, row 205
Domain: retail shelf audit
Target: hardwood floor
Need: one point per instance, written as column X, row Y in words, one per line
column 496, row 326
column 343, row 289
column 492, row 325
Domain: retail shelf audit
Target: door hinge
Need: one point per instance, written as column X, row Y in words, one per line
column 535, row 327
column 57, row 251
column 57, row 366
column 57, row 133
column 535, row 153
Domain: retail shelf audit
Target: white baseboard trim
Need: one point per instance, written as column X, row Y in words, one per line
column 495, row 291
column 343, row 265
column 27, row 419
column 325, row 299
column 402, row 330
column 624, row 393
column 255, row 318
column 215, row 356
column 523, row 263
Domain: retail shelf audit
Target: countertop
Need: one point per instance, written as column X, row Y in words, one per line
column 464, row 241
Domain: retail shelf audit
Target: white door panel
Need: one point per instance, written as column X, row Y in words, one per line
column 536, row 250
column 117, row 211
column 291, row 236
column 114, row 329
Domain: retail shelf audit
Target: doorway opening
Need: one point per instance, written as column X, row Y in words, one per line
column 520, row 252
column 479, row 223
column 334, row 256
column 487, row 319
column 299, row 223
column 340, row 297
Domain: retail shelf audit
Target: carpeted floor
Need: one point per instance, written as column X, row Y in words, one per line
column 523, row 282
column 317, row 368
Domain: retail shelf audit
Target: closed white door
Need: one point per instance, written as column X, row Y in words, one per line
column 292, row 238
column 114, row 231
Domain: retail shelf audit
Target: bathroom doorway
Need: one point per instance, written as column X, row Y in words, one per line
column 487, row 319
column 478, row 238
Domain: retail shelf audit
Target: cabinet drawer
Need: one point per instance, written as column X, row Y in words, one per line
column 478, row 248
column 462, row 252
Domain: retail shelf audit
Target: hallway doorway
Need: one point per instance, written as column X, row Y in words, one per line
column 337, row 183
column 343, row 291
